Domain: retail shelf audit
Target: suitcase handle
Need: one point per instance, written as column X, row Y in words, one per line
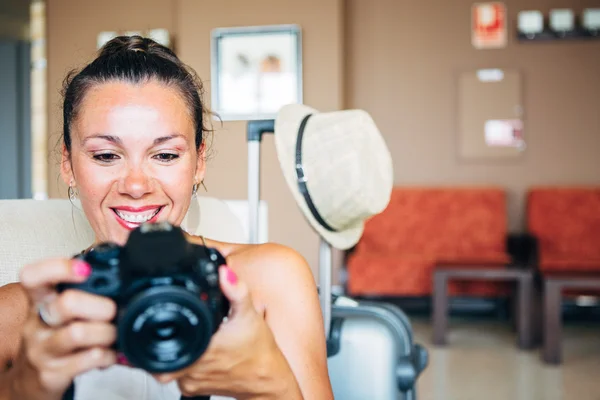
column 254, row 131
column 257, row 128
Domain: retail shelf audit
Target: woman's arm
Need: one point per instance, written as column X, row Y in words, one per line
column 287, row 288
column 13, row 303
column 5, row 385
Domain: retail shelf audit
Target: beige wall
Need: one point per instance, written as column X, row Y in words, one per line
column 402, row 65
column 73, row 27
column 397, row 60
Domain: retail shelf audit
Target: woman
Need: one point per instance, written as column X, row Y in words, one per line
column 134, row 151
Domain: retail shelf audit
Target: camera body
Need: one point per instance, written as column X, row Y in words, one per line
column 169, row 302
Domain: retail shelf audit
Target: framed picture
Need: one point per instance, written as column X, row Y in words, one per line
column 255, row 71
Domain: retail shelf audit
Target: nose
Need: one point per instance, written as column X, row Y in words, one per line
column 135, row 183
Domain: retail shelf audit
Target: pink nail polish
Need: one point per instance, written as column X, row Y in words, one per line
column 82, row 268
column 231, row 276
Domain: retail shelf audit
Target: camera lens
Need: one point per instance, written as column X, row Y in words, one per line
column 166, row 333
column 164, row 329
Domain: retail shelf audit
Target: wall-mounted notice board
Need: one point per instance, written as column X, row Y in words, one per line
column 490, row 114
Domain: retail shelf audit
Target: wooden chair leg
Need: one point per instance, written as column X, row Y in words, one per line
column 524, row 312
column 552, row 322
column 514, row 307
column 440, row 307
column 538, row 314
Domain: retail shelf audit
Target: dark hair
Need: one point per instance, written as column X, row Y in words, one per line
column 134, row 59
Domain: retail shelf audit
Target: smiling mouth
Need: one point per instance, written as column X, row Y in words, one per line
column 132, row 220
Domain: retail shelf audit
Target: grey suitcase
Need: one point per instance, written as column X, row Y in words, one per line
column 370, row 347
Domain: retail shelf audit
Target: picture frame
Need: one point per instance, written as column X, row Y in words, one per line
column 255, row 70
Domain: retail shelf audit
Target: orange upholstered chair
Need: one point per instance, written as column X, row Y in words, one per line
column 426, row 226
column 566, row 224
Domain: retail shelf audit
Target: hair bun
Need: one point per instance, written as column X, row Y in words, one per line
column 122, row 44
column 138, row 43
column 127, row 45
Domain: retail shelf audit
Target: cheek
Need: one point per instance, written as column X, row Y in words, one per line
column 93, row 182
column 176, row 182
column 95, row 190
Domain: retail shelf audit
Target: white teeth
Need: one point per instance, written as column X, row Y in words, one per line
column 137, row 218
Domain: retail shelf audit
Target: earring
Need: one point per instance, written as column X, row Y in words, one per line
column 195, row 188
column 73, row 193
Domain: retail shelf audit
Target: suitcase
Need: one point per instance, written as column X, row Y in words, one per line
column 371, row 353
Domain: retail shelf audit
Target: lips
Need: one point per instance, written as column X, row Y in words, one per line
column 132, row 217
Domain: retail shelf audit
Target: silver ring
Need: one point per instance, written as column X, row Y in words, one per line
column 44, row 314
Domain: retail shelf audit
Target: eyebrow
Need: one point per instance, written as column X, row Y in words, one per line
column 117, row 140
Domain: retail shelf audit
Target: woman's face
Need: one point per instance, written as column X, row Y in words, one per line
column 133, row 157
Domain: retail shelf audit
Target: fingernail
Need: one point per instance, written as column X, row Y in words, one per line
column 231, row 276
column 81, row 268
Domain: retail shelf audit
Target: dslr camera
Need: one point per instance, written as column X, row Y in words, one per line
column 169, row 302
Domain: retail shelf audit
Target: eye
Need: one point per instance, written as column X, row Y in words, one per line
column 166, row 156
column 105, row 157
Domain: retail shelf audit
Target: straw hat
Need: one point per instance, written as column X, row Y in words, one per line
column 345, row 172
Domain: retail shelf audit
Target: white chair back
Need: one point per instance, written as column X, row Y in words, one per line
column 36, row 229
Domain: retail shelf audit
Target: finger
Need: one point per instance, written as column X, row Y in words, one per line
column 193, row 388
column 60, row 372
column 236, row 291
column 80, row 335
column 76, row 304
column 49, row 319
column 38, row 278
column 167, row 377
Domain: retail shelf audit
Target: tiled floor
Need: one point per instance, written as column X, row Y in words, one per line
column 481, row 362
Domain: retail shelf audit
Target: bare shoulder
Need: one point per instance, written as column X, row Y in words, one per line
column 270, row 269
column 272, row 257
column 13, row 303
column 275, row 265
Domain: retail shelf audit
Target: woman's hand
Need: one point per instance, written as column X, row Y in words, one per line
column 75, row 336
column 242, row 359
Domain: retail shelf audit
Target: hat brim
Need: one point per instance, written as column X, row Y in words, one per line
column 286, row 132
